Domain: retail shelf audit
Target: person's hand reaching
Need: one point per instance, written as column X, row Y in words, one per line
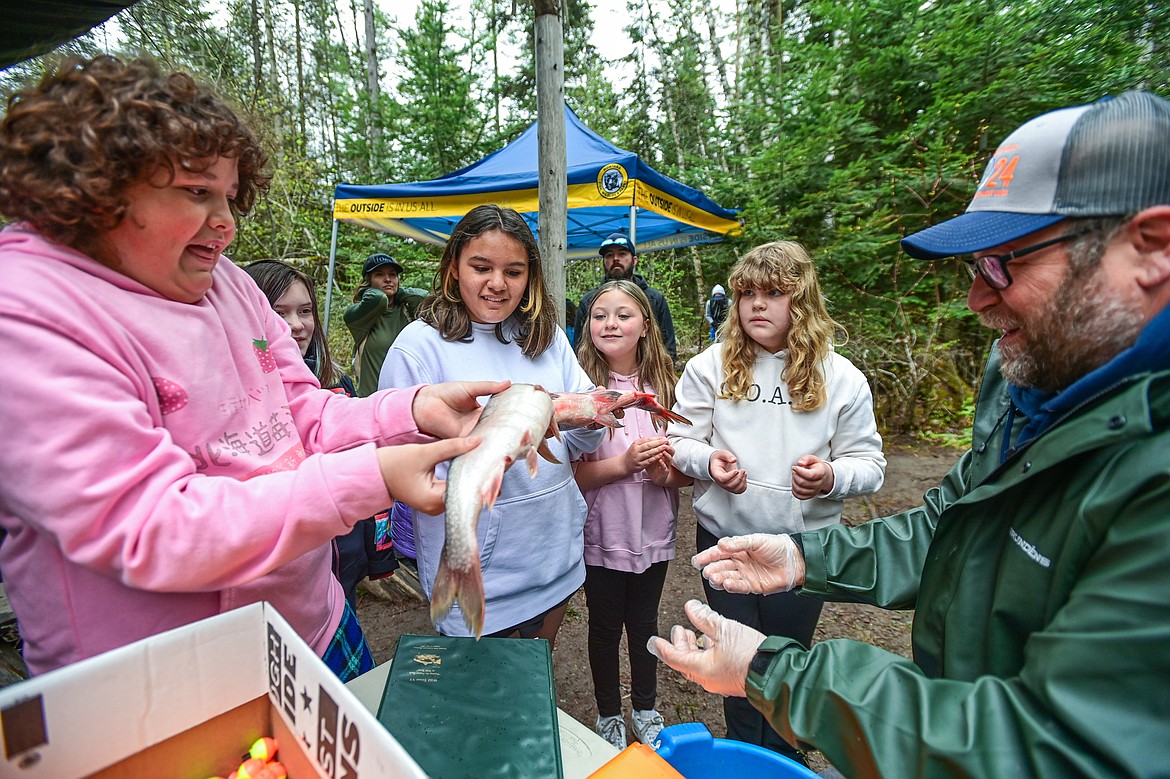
column 760, row 563
column 450, row 409
column 409, row 471
column 718, row 659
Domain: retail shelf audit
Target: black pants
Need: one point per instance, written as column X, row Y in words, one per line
column 782, row 614
column 618, row 599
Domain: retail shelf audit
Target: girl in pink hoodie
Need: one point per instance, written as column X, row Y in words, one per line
column 631, row 489
column 176, row 458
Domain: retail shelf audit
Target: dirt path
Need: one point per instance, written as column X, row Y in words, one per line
column 912, row 469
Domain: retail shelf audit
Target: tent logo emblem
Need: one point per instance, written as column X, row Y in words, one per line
column 612, row 181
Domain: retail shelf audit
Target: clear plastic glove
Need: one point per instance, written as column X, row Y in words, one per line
column 717, row 660
column 760, row 563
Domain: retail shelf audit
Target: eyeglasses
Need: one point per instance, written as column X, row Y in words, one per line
column 993, row 267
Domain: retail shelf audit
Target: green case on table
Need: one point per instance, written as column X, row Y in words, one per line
column 467, row 708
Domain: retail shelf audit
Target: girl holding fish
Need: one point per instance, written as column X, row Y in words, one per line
column 179, row 459
column 632, row 493
column 783, row 432
column 492, row 316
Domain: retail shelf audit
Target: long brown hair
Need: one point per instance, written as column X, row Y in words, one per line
column 655, row 368
column 445, row 310
column 785, row 266
column 274, row 277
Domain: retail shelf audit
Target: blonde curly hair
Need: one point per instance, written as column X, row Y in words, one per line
column 783, row 266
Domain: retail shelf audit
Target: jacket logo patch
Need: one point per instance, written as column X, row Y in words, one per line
column 1030, row 550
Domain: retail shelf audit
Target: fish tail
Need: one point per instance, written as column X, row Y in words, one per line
column 464, row 584
column 661, row 414
column 666, row 415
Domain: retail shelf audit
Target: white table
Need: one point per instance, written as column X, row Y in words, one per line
column 582, row 750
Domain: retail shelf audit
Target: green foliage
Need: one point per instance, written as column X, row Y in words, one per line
column 844, row 126
column 443, row 117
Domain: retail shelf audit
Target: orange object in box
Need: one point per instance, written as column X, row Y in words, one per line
column 637, row 761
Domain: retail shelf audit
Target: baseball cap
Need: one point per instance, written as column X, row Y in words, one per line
column 1108, row 158
column 619, row 240
column 375, row 261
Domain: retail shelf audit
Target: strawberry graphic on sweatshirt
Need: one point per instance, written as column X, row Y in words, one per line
column 263, row 356
column 171, row 397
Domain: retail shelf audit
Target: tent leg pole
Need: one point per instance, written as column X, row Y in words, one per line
column 329, row 283
column 634, row 225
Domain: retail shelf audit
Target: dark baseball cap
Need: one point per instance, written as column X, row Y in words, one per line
column 1108, row 158
column 375, row 261
column 620, row 240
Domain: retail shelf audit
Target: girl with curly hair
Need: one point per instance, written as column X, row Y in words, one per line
column 178, row 458
column 493, row 318
column 783, row 432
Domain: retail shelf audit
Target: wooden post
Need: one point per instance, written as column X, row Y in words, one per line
column 550, row 140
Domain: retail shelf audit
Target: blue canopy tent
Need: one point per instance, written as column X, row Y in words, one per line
column 609, row 189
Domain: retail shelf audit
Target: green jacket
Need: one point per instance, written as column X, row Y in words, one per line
column 1042, row 589
column 374, row 324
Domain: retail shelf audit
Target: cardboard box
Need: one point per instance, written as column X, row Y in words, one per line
column 189, row 702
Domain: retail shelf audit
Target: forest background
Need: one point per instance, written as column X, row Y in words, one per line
column 843, row 126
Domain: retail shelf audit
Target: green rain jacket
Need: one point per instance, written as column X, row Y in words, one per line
column 374, row 324
column 1042, row 587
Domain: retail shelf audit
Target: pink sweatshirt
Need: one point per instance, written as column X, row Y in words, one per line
column 632, row 522
column 163, row 462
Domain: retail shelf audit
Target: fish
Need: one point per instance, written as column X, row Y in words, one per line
column 574, row 410
column 512, row 427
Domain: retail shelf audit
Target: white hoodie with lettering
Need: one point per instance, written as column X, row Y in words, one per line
column 767, row 437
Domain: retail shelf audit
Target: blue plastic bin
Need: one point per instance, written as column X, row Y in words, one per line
column 690, row 750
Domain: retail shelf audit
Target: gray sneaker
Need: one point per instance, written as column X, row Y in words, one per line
column 613, row 730
column 647, row 725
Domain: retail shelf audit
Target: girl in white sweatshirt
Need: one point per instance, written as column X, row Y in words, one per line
column 491, row 315
column 783, row 431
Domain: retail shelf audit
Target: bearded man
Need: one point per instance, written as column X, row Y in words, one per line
column 1040, row 568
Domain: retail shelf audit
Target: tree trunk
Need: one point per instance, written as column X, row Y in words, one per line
column 257, row 56
column 273, row 86
column 550, row 139
column 373, row 125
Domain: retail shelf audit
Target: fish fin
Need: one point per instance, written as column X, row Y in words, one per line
column 546, row 453
column 608, row 420
column 667, row 414
column 466, row 585
column 530, row 458
column 491, row 486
